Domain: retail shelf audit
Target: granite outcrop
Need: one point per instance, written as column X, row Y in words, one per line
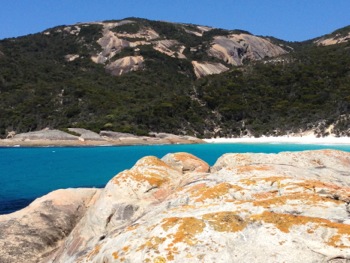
column 31, row 234
column 84, row 137
column 286, row 207
column 134, row 34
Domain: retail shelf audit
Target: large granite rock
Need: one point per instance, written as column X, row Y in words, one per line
column 287, row 207
column 35, row 231
column 45, row 134
column 85, row 134
column 230, row 49
column 235, row 48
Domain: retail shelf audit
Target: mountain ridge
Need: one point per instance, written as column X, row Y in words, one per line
column 149, row 76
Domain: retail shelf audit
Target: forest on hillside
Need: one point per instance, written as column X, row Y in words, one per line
column 305, row 89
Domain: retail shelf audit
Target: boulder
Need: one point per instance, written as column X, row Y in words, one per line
column 287, row 207
column 185, row 162
column 32, row 233
column 87, row 134
column 115, row 135
column 45, row 134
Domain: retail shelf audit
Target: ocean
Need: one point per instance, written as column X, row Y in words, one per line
column 30, row 172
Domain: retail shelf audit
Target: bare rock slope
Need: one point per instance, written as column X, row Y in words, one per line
column 287, row 207
column 172, row 39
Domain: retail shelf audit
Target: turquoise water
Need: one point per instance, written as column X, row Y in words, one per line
column 27, row 173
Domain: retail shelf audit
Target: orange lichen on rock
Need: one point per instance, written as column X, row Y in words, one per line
column 126, row 248
column 152, row 161
column 265, row 195
column 249, row 181
column 188, row 228
column 191, row 162
column 225, row 221
column 203, row 192
column 115, row 255
column 270, row 179
column 153, row 178
column 274, row 179
column 250, row 168
column 153, row 243
column 305, row 198
column 154, row 172
column 94, row 252
column 285, row 221
column 314, row 185
column 159, row 259
column 132, row 227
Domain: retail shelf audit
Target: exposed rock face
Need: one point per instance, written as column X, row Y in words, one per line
column 234, row 48
column 288, row 207
column 85, row 137
column 125, row 65
column 115, row 135
column 166, row 47
column 111, row 45
column 33, row 232
column 172, row 138
column 186, row 163
column 337, row 39
column 45, row 134
column 86, row 134
column 206, row 68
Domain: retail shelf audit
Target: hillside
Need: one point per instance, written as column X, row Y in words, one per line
column 137, row 76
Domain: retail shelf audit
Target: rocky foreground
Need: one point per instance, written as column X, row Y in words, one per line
column 287, row 207
column 84, row 137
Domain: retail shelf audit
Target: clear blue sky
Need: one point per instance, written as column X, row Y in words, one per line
column 293, row 20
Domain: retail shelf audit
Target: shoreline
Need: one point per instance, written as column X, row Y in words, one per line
column 111, row 143
column 330, row 140
column 91, row 143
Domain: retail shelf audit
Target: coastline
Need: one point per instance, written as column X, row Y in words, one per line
column 310, row 139
column 92, row 143
column 330, row 140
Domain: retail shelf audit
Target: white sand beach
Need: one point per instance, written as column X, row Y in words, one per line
column 309, row 139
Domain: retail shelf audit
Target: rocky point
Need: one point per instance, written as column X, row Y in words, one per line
column 286, row 207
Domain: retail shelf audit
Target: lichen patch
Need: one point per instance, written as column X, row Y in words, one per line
column 204, row 192
column 286, row 221
column 226, row 221
column 187, row 229
column 305, row 198
column 250, row 168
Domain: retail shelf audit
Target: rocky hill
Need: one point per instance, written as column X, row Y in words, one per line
column 341, row 35
column 139, row 76
column 286, row 207
column 120, row 45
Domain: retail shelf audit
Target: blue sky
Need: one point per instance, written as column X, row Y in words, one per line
column 292, row 20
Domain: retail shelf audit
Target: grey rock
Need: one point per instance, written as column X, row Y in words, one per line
column 45, row 134
column 32, row 233
column 87, row 134
column 116, row 135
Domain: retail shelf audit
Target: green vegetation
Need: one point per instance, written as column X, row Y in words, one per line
column 130, row 28
column 308, row 88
